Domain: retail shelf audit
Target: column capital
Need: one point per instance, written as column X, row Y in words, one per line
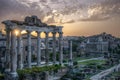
column 46, row 32
column 8, row 29
column 11, row 29
column 60, row 32
column 28, row 31
column 54, row 32
column 38, row 32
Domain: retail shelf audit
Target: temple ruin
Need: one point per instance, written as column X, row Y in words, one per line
column 14, row 54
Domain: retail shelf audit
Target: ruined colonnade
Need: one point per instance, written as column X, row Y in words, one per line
column 13, row 61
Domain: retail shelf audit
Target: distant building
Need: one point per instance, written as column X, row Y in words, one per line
column 98, row 43
column 70, row 37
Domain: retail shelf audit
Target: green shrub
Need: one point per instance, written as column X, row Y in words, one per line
column 99, row 67
column 75, row 63
column 38, row 69
column 1, row 76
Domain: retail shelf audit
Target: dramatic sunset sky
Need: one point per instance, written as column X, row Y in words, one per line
column 79, row 17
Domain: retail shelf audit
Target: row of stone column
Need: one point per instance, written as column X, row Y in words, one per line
column 14, row 57
column 46, row 48
column 12, row 52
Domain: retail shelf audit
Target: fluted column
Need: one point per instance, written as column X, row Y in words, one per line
column 54, row 47
column 61, row 47
column 13, row 55
column 20, row 51
column 29, row 49
column 38, row 49
column 46, row 48
column 7, row 54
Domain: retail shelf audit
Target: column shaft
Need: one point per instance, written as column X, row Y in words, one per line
column 71, row 56
column 61, row 47
column 7, row 54
column 20, row 52
column 46, row 48
column 13, row 54
column 71, row 50
column 54, row 47
column 38, row 49
column 29, row 49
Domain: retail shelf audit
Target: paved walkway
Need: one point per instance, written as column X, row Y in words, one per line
column 104, row 73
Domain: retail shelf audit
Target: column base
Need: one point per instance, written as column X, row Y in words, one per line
column 39, row 65
column 21, row 66
column 46, row 75
column 70, row 63
column 55, row 62
column 61, row 64
column 7, row 70
column 11, row 76
column 14, row 76
column 29, row 66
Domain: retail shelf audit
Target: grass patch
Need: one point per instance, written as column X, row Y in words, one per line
column 81, row 58
column 116, row 74
column 92, row 62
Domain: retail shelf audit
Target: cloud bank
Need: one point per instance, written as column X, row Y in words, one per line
column 61, row 11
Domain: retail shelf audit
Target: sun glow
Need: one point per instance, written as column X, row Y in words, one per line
column 17, row 32
column 23, row 32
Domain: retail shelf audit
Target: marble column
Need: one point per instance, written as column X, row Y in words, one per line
column 20, row 51
column 54, row 47
column 46, row 48
column 7, row 54
column 38, row 49
column 29, row 49
column 61, row 47
column 13, row 56
column 71, row 56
